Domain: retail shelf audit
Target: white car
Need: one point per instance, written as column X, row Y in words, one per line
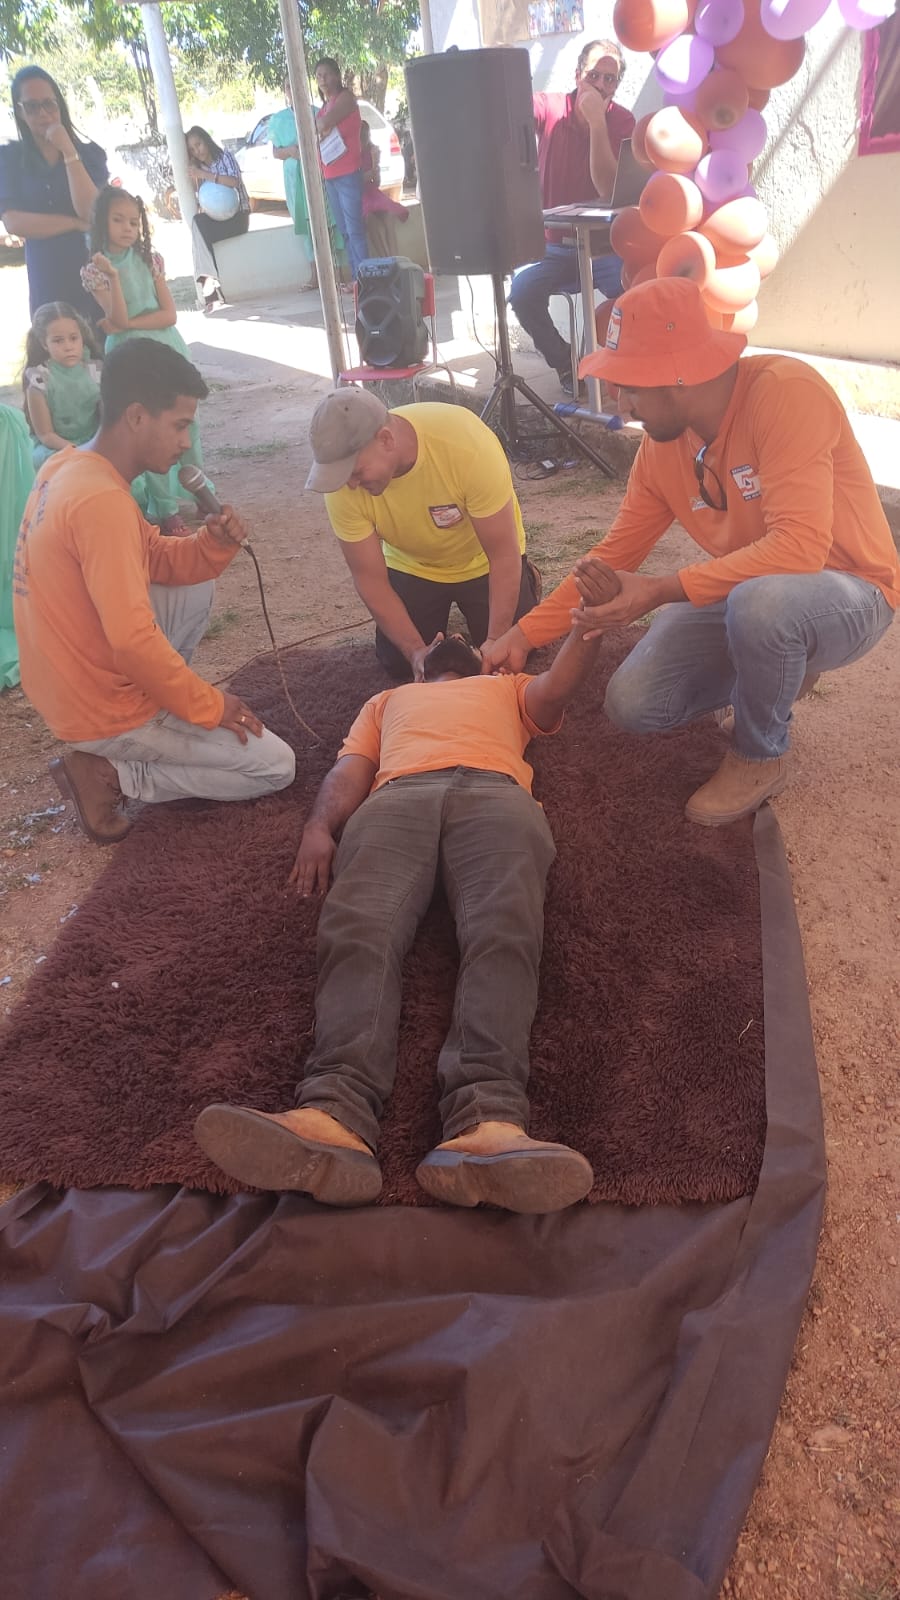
column 264, row 176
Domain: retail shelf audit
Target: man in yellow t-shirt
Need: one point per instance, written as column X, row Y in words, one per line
column 758, row 462
column 431, row 781
column 423, row 503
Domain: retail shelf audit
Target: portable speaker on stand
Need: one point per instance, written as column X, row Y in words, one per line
column 390, row 330
column 472, row 117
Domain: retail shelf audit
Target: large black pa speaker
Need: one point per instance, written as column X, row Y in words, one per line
column 390, row 331
column 473, row 133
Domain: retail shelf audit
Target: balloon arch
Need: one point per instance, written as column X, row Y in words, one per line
column 699, row 216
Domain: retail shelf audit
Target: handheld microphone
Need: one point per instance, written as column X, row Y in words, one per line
column 191, row 478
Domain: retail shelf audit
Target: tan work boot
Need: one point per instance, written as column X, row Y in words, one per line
column 738, row 788
column 91, row 783
column 305, row 1150
column 496, row 1163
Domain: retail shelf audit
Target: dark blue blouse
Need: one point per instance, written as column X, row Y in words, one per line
column 29, row 183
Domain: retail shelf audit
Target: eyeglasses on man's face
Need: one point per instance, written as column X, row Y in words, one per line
column 701, row 469
column 595, row 76
column 33, row 108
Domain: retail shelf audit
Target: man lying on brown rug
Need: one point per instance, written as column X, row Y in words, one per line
column 108, row 614
column 758, row 462
column 430, row 780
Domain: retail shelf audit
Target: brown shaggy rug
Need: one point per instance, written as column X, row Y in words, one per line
column 188, row 974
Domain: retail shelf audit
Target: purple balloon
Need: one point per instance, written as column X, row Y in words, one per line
column 721, row 176
column 789, row 19
column 746, row 138
column 684, row 63
column 865, row 15
column 720, row 21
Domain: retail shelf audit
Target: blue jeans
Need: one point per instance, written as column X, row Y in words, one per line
column 345, row 199
column 752, row 651
column 532, row 287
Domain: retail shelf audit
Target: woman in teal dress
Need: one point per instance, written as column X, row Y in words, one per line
column 128, row 280
column 16, row 478
column 282, row 132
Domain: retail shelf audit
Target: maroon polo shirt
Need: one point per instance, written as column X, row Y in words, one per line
column 564, row 151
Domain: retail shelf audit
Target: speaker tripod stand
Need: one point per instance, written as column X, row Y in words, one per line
column 508, row 384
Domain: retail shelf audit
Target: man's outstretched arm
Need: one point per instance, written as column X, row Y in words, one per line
column 548, row 695
column 342, row 792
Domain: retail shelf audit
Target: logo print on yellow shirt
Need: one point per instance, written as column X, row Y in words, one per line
column 747, row 480
column 445, row 516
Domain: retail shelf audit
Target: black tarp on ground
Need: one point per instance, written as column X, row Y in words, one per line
column 205, row 1392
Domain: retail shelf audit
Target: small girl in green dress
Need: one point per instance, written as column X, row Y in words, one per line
column 61, row 381
column 127, row 278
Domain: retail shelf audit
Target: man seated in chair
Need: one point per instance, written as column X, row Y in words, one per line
column 431, row 781
column 579, row 137
column 423, row 503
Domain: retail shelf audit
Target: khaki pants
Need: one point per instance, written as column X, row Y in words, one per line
column 168, row 759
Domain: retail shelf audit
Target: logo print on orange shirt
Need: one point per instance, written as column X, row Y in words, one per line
column 747, row 480
column 445, row 516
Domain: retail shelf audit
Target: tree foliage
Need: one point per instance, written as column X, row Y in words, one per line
column 368, row 37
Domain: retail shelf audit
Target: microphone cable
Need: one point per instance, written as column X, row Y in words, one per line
column 247, row 546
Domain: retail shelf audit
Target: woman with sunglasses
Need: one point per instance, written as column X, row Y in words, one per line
column 49, row 180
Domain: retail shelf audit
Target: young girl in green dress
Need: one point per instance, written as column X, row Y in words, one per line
column 128, row 280
column 61, row 381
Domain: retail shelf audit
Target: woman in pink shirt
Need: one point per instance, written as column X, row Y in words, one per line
column 338, row 124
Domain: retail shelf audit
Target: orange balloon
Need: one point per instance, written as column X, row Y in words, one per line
column 714, row 318
column 688, row 255
column 631, row 239
column 644, row 276
column 759, row 98
column 765, row 255
column 671, row 204
column 649, row 24
column 675, row 140
column 737, row 226
column 722, row 99
column 762, row 61
column 733, row 284
column 743, row 321
column 638, row 149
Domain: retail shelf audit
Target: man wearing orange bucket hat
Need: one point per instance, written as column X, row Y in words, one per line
column 758, row 462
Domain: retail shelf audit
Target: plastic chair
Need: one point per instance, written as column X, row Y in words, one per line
column 419, row 368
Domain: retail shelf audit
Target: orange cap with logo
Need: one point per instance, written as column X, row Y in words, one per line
column 659, row 335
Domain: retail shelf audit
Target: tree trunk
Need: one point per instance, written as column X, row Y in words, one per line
column 373, row 86
column 141, row 59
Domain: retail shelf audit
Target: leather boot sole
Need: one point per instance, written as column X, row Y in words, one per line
column 721, row 819
column 538, row 1181
column 266, row 1155
column 69, row 791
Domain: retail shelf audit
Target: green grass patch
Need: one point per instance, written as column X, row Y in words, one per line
column 220, row 624
column 243, row 452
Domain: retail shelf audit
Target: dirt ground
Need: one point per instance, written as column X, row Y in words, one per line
column 824, row 1522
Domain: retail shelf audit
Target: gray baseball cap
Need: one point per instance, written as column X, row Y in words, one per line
column 342, row 424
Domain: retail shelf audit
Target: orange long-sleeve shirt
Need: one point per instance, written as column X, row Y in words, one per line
column 800, row 497
column 93, row 658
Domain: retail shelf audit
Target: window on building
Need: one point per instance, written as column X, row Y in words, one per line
column 880, row 122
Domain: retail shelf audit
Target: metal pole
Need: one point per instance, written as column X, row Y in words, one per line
column 298, row 75
column 161, row 67
column 427, row 30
